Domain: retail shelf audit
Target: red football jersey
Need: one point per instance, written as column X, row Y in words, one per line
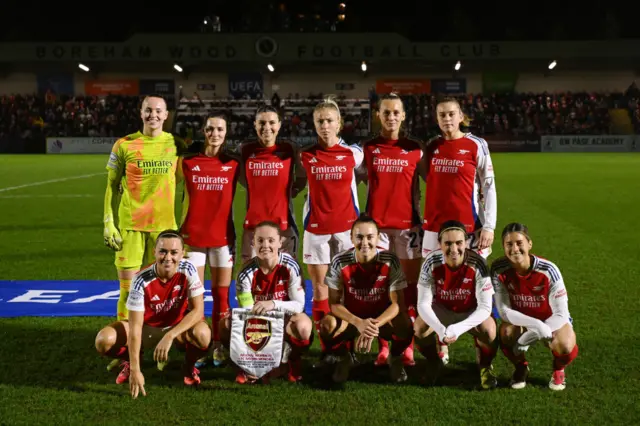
column 269, row 176
column 331, row 205
column 365, row 289
column 164, row 304
column 458, row 290
column 210, row 184
column 454, row 170
column 393, row 198
column 534, row 293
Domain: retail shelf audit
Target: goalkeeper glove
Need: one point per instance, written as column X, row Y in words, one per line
column 112, row 238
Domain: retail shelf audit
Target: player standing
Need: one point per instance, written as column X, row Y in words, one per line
column 207, row 218
column 459, row 167
column 143, row 165
column 532, row 301
column 166, row 305
column 366, row 293
column 331, row 205
column 455, row 297
column 272, row 281
column 268, row 173
column 393, row 164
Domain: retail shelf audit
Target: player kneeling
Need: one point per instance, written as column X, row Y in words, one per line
column 272, row 281
column 366, row 297
column 166, row 304
column 532, row 301
column 455, row 297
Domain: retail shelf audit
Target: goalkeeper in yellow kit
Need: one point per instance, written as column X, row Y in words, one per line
column 142, row 166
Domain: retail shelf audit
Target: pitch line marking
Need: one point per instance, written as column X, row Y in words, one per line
column 44, row 182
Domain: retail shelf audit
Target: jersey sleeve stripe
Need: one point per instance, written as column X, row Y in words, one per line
column 551, row 269
column 288, row 261
column 247, row 271
column 482, row 144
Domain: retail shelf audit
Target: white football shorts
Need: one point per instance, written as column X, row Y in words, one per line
column 217, row 257
column 405, row 243
column 320, row 249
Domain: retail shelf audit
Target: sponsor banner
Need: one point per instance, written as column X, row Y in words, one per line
column 589, row 143
column 403, row 87
column 82, row 298
column 57, row 83
column 448, row 85
column 499, row 82
column 506, row 143
column 111, row 87
column 166, row 88
column 241, row 84
column 80, row 145
column 256, row 341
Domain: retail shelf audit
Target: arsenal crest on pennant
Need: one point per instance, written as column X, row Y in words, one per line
column 257, row 332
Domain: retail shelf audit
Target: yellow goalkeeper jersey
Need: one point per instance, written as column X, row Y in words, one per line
column 148, row 169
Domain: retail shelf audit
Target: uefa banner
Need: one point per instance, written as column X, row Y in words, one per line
column 80, row 145
column 247, row 83
column 509, row 143
column 590, row 143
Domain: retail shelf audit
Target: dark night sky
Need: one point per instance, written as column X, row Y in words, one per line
column 420, row 20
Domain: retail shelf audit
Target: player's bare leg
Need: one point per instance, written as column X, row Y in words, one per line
column 111, row 342
column 196, row 342
column 400, row 332
column 509, row 335
column 564, row 349
column 485, row 337
column 299, row 331
column 125, row 276
column 427, row 343
column 337, row 337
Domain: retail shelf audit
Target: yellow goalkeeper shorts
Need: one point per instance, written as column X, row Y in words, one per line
column 137, row 249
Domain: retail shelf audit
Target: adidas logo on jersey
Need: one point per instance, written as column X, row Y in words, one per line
column 196, row 169
column 376, row 151
column 313, row 160
column 155, row 298
column 437, row 151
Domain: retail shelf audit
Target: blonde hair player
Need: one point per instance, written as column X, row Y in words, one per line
column 331, row 205
column 392, row 164
column 268, row 174
column 166, row 306
column 207, row 226
column 532, row 300
column 140, row 194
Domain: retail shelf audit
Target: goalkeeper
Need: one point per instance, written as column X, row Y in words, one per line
column 139, row 200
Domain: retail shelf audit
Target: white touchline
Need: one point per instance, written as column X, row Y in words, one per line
column 26, row 185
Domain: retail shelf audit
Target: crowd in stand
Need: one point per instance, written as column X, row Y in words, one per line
column 514, row 115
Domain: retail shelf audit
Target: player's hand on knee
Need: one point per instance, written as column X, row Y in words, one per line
column 368, row 327
column 263, row 306
column 363, row 344
column 136, row 384
column 112, row 237
column 449, row 338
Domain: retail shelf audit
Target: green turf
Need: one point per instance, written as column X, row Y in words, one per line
column 581, row 210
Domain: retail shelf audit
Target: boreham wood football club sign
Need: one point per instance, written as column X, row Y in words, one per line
column 256, row 341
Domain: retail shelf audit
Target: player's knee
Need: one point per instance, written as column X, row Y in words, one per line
column 420, row 329
column 302, row 328
column 328, row 326
column 402, row 327
column 564, row 341
column 508, row 334
column 488, row 329
column 105, row 340
column 201, row 335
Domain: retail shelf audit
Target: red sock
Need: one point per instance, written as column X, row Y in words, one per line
column 411, row 299
column 382, row 344
column 560, row 361
column 193, row 353
column 220, row 309
column 515, row 359
column 399, row 345
column 319, row 308
column 298, row 346
column 484, row 354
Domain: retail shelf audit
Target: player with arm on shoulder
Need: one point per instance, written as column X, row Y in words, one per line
column 269, row 176
column 143, row 166
column 272, row 281
column 331, row 206
column 533, row 304
column 207, row 226
column 366, row 293
column 166, row 305
column 393, row 163
column 455, row 297
column 459, row 168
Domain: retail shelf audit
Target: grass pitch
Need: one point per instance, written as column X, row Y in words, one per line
column 582, row 213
